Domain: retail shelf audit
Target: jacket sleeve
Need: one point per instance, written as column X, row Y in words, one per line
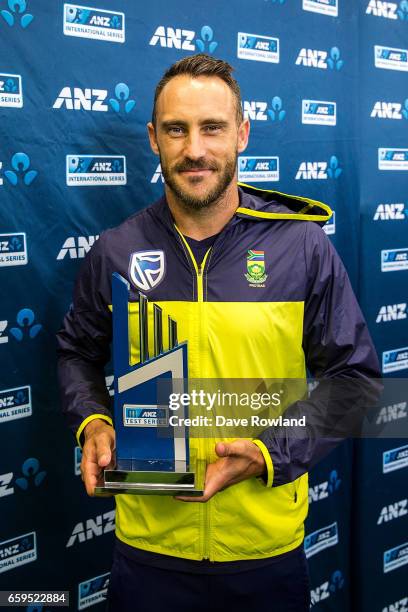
column 84, row 346
column 340, row 354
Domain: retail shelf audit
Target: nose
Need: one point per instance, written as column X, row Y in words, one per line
column 194, row 145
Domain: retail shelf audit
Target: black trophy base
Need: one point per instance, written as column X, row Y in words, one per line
column 154, row 481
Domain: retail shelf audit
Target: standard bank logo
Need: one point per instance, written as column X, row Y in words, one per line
column 393, row 260
column 314, row 58
column 392, row 159
column 258, row 48
column 320, row 539
column 91, row 22
column 391, row 212
column 389, row 10
column 392, row 312
column 390, row 58
column 318, row 112
column 92, row 591
column 325, row 7
column 390, row 110
column 395, row 459
column 319, row 170
column 11, row 90
column 13, row 249
column 77, row 247
column 186, row 40
column 15, row 403
column 395, row 557
column 258, row 169
column 95, row 170
column 330, row 226
column 147, row 269
column 393, row 511
column 103, row 523
column 259, row 111
column 327, row 588
column 18, row 551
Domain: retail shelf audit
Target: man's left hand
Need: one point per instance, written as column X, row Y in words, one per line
column 238, row 461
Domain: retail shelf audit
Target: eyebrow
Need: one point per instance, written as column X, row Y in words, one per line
column 169, row 123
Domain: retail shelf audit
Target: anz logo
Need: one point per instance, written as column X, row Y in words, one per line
column 84, row 531
column 318, row 58
column 390, row 110
column 391, row 212
column 327, row 588
column 392, row 312
column 393, row 511
column 388, row 10
column 185, row 40
column 76, row 247
column 319, row 170
column 324, row 489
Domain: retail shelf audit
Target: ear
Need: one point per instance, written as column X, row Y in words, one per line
column 243, row 135
column 152, row 138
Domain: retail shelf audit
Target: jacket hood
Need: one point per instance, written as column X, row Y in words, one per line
column 261, row 204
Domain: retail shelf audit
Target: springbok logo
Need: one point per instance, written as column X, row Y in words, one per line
column 146, row 269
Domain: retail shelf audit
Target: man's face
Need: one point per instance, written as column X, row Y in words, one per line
column 198, row 138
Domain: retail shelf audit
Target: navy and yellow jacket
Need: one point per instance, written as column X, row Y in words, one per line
column 299, row 314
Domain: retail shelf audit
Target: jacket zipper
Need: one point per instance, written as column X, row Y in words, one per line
column 204, row 444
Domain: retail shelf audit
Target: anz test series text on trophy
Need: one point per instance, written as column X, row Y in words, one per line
column 152, row 457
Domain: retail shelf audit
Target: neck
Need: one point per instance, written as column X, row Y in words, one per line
column 205, row 222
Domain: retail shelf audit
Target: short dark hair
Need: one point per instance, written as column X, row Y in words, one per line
column 196, row 66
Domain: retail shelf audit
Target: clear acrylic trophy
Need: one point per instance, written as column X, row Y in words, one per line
column 152, row 457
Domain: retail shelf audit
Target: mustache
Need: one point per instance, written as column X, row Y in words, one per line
column 197, row 164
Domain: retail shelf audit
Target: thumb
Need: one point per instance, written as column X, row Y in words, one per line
column 222, row 449
column 104, row 459
column 103, row 453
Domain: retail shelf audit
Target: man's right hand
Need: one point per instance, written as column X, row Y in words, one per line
column 98, row 453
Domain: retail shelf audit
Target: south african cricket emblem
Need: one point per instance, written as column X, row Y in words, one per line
column 256, row 267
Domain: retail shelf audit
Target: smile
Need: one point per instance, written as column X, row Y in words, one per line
column 197, row 172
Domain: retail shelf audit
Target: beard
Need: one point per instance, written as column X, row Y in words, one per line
column 211, row 197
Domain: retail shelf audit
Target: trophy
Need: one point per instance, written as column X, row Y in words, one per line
column 152, row 456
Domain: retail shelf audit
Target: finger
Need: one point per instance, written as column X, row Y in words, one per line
column 232, row 449
column 222, row 449
column 103, row 450
column 214, row 484
column 194, row 498
column 90, row 470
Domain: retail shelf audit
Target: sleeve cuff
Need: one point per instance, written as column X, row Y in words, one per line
column 85, row 422
column 268, row 461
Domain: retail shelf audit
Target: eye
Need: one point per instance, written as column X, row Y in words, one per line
column 212, row 128
column 175, row 130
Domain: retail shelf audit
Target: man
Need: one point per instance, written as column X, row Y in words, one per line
column 241, row 543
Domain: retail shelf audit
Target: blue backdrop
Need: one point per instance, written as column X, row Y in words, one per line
column 324, row 83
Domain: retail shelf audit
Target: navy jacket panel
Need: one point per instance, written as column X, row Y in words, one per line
column 339, row 351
